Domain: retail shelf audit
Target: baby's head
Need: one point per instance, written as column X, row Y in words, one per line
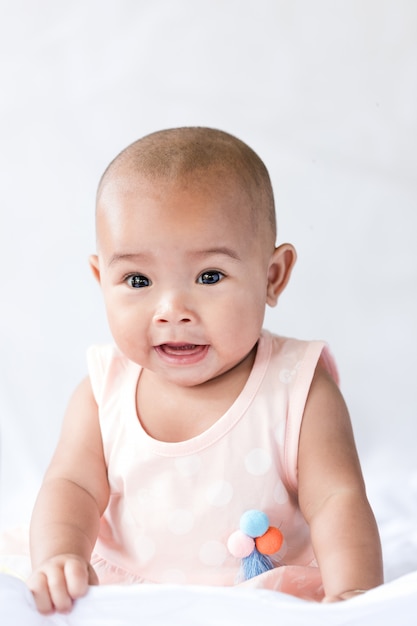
column 204, row 158
column 186, row 252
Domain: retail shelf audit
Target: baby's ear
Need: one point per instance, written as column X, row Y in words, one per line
column 279, row 271
column 95, row 266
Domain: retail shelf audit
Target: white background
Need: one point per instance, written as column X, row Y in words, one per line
column 324, row 91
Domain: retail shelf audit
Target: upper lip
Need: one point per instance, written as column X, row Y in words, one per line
column 179, row 344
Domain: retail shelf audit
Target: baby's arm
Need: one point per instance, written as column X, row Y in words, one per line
column 67, row 512
column 332, row 495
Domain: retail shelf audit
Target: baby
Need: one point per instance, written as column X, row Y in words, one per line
column 199, row 442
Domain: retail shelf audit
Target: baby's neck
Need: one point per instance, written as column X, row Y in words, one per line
column 173, row 413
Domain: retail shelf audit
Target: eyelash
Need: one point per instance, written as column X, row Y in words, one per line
column 207, row 274
column 139, row 281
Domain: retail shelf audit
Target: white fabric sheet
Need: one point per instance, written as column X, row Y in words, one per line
column 159, row 605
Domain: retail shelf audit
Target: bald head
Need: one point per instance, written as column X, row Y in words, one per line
column 196, row 155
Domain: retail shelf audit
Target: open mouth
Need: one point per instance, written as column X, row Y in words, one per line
column 182, row 348
column 183, row 353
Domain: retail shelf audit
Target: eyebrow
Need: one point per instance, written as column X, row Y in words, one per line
column 221, row 250
column 141, row 256
column 118, row 258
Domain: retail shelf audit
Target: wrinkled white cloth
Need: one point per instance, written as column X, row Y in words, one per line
column 159, row 605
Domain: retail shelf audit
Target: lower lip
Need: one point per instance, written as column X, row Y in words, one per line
column 186, row 355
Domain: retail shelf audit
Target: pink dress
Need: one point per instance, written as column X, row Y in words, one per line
column 173, row 506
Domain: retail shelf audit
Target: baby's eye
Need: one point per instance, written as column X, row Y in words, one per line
column 210, row 277
column 137, row 281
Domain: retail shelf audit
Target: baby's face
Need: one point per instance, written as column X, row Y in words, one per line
column 184, row 276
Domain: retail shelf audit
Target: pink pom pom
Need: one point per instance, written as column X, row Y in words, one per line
column 240, row 545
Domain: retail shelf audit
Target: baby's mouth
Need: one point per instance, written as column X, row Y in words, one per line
column 179, row 348
column 182, row 353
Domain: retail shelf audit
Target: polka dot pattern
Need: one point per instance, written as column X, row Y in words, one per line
column 188, row 465
column 145, row 548
column 258, row 461
column 286, row 376
column 213, row 553
column 180, row 522
column 219, row 493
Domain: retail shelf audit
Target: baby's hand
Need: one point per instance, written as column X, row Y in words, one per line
column 59, row 581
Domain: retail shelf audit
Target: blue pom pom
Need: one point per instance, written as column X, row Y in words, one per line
column 255, row 564
column 254, row 523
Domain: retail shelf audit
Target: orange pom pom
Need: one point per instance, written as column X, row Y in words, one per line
column 270, row 542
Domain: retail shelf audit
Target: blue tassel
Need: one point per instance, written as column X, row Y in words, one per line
column 255, row 564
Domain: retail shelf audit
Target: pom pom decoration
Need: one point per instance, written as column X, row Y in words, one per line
column 254, row 542
column 270, row 542
column 254, row 523
column 255, row 564
column 240, row 545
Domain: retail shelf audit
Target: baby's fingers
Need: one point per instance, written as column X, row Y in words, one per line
column 50, row 592
column 76, row 576
column 38, row 585
column 59, row 581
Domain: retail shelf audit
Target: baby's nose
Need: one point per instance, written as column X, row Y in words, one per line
column 173, row 309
